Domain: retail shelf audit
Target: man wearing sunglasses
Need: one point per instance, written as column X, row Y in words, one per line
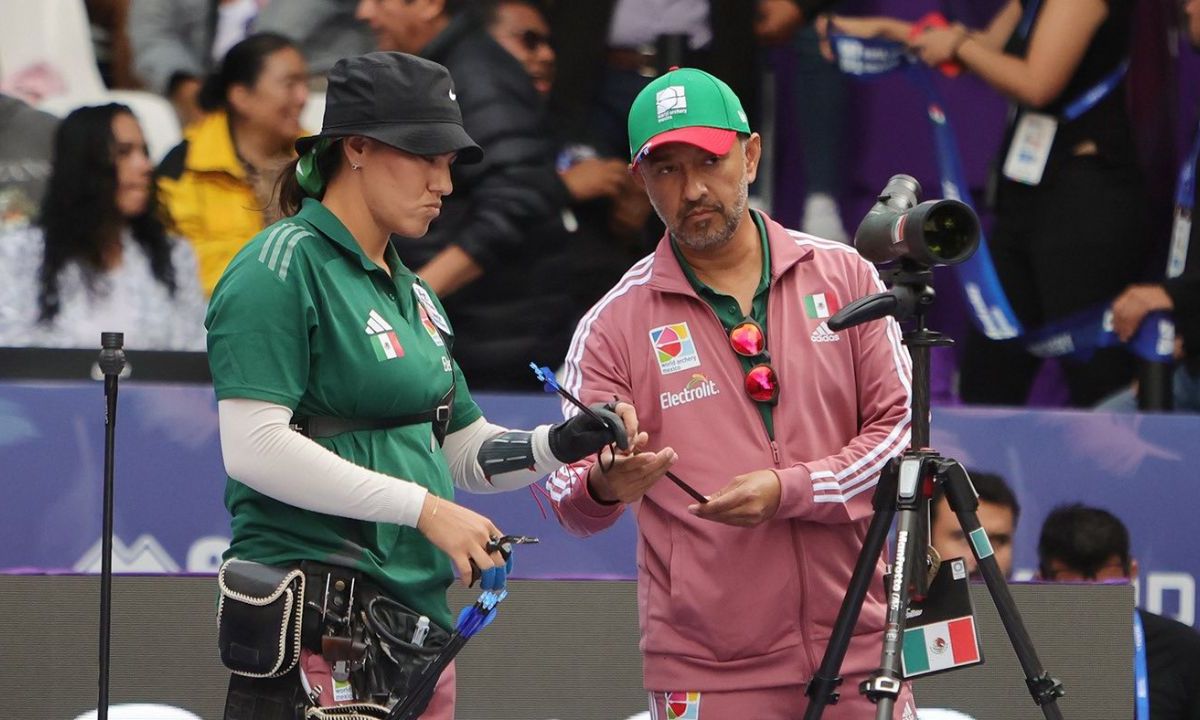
column 720, row 340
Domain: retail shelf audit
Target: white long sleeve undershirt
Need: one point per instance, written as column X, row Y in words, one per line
column 263, row 452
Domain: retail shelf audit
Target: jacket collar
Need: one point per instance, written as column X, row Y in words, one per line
column 461, row 25
column 210, row 146
column 668, row 275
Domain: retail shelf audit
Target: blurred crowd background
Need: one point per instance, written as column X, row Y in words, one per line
column 141, row 141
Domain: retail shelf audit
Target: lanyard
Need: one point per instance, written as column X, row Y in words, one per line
column 1087, row 100
column 1096, row 93
column 1141, row 678
column 1027, row 16
column 1185, row 199
column 1185, row 187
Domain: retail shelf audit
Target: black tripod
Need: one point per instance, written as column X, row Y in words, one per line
column 906, row 485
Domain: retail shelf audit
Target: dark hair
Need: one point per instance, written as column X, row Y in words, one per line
column 79, row 210
column 288, row 189
column 990, row 487
column 241, row 66
column 1082, row 538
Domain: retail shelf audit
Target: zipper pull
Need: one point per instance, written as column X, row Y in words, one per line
column 775, row 452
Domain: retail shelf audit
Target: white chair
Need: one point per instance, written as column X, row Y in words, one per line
column 142, row 711
column 54, row 32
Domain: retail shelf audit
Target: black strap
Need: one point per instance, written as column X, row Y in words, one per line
column 322, row 426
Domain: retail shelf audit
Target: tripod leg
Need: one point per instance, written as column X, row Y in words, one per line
column 883, row 687
column 822, row 689
column 960, row 494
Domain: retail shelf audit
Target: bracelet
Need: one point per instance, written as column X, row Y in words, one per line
column 437, row 501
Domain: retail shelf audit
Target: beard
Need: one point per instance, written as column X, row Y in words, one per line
column 715, row 232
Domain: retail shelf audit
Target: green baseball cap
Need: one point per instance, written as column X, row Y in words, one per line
column 689, row 106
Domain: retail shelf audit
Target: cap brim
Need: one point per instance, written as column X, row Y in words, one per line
column 717, row 141
column 430, row 138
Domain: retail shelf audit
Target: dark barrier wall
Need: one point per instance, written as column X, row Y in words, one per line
column 565, row 650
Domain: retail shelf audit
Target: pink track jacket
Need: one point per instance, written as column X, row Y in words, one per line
column 721, row 607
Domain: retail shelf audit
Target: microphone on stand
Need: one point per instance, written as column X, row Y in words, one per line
column 112, row 362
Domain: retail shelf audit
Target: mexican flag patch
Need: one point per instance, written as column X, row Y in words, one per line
column 820, row 305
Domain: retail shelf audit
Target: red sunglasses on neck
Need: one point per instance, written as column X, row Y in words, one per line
column 761, row 383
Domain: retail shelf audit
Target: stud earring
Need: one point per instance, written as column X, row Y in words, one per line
column 354, row 166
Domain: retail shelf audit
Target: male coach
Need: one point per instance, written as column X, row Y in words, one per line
column 719, row 339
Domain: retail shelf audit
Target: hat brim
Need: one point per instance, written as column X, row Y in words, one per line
column 717, row 141
column 429, row 138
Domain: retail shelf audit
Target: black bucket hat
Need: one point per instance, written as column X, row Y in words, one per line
column 401, row 100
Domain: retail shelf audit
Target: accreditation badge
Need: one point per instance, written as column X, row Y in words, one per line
column 1181, row 235
column 430, row 308
column 1030, row 148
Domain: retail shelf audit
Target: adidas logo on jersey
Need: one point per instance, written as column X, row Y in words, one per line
column 823, row 334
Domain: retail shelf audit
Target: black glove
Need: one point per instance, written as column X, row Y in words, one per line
column 581, row 436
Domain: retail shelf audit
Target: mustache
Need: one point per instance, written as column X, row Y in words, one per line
column 690, row 208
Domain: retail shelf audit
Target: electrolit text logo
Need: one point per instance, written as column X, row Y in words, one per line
column 698, row 387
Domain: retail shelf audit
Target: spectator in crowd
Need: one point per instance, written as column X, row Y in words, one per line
column 719, row 340
column 99, row 258
column 325, row 30
column 343, row 447
column 607, row 210
column 998, row 513
column 176, row 43
column 610, row 49
column 819, row 91
column 217, row 186
column 1086, row 544
column 26, row 146
column 498, row 255
column 1180, row 292
column 1068, row 235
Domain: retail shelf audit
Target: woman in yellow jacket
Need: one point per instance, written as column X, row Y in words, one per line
column 216, row 186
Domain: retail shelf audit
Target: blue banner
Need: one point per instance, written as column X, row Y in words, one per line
column 169, row 515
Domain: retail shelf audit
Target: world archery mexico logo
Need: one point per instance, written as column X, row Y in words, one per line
column 682, row 705
column 670, row 101
column 674, row 348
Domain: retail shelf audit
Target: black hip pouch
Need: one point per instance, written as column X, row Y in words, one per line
column 259, row 618
column 395, row 665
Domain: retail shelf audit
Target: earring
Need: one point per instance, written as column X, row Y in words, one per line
column 354, row 166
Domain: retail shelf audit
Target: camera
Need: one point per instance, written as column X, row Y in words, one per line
column 936, row 232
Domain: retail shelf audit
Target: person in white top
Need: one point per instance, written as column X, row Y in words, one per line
column 98, row 257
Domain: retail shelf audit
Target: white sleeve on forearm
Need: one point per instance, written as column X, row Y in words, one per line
column 261, row 451
column 461, row 449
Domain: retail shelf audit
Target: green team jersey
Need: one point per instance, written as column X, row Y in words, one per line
column 302, row 318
